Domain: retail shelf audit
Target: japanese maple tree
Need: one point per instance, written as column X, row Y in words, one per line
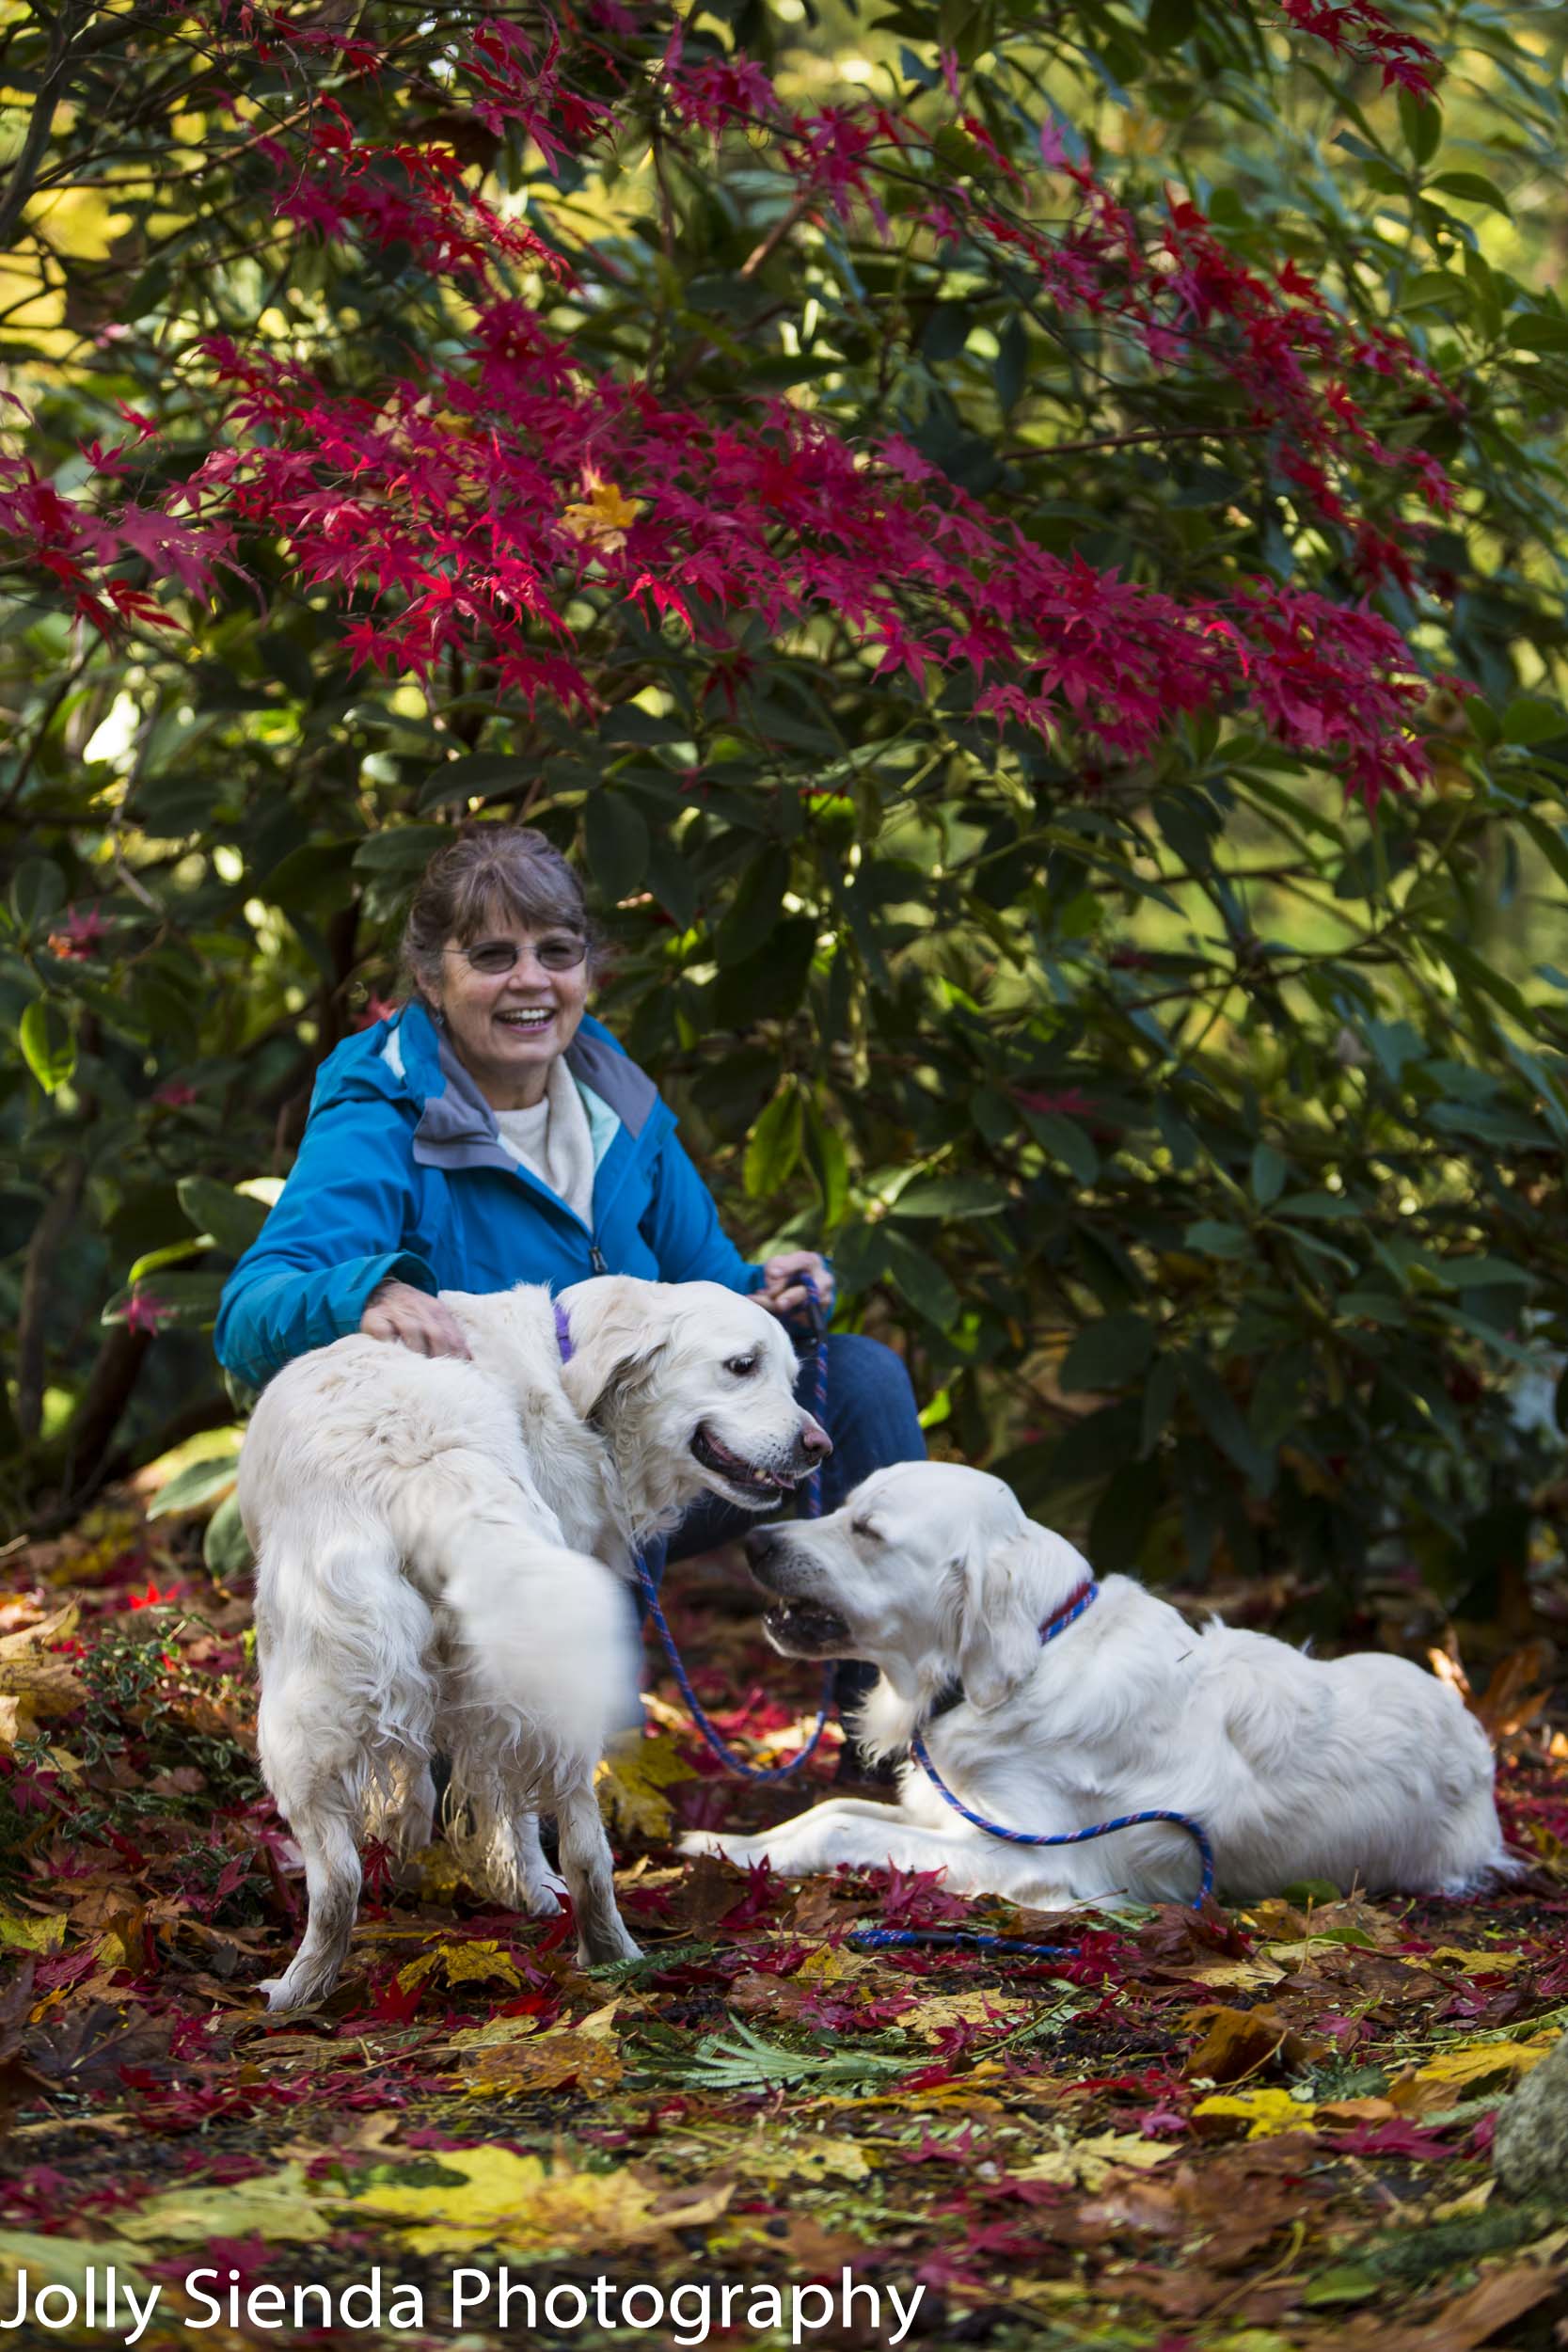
column 1014, row 548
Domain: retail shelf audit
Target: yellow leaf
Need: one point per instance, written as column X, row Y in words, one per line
column 546, row 2061
column 832, row 1965
column 823, row 2159
column 496, row 2030
column 1479, row 1962
column 65, row 2261
column 437, row 1873
column 59, row 1628
column 1454, row 2075
column 602, row 518
column 1486, row 2058
column 933, row 2017
column 584, row 2053
column 492, row 2196
column 1263, row 2112
column 1474, row 2200
column 33, row 1682
column 478, row 1964
column 281, row 2206
column 631, row 1784
column 461, row 1963
column 1235, row 1976
column 32, row 1931
column 1089, row 2163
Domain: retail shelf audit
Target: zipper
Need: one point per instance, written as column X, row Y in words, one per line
column 596, row 1258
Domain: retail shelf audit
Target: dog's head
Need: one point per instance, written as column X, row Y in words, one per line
column 695, row 1386
column 929, row 1570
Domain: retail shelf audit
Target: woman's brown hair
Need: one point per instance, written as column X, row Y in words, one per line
column 488, row 873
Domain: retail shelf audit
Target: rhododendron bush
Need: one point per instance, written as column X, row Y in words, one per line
column 1018, row 549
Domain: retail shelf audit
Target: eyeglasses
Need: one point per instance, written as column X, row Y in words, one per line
column 559, row 953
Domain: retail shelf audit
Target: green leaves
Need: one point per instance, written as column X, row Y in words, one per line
column 615, row 837
column 1472, row 187
column 165, row 1299
column 198, row 1483
column 1269, row 1172
column 1420, row 125
column 1539, row 331
column 1531, row 718
column 231, row 1218
column 453, row 783
column 399, row 850
column 769, row 983
column 773, row 1145
column 949, row 1197
column 48, row 1046
column 1158, row 1078
column 1216, row 1239
column 1108, row 1354
column 38, row 891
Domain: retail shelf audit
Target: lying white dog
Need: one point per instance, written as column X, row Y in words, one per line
column 429, row 1536
column 1049, row 1703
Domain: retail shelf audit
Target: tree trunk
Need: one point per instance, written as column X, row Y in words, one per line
column 107, row 1393
column 32, row 1350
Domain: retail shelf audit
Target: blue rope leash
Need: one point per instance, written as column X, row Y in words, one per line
column 809, row 1504
column 954, row 1940
column 971, row 1939
column 809, row 1499
column 1195, row 1830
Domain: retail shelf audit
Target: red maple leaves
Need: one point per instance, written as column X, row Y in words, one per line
column 441, row 514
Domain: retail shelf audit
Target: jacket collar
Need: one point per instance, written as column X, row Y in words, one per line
column 457, row 1127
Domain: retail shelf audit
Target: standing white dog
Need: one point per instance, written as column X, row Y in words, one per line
column 1049, row 1703
column 429, row 1536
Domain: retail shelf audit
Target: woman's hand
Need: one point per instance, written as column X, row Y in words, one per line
column 782, row 1290
column 399, row 1311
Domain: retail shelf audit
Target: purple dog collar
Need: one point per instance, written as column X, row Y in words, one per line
column 562, row 1332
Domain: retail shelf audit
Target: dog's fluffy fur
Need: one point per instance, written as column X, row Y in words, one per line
column 440, row 1546
column 1362, row 1770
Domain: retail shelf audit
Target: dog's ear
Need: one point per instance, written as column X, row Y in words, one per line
column 996, row 1634
column 616, row 1344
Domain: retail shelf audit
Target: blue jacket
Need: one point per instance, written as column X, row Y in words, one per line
column 401, row 1172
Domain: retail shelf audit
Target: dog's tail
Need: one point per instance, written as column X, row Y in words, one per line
column 546, row 1642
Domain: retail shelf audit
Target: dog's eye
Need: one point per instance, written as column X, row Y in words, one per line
column 742, row 1366
column 865, row 1529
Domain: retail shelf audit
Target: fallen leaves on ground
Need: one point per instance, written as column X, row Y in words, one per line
column 1261, row 2131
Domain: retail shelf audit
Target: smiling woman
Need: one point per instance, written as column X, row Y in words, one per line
column 491, row 1132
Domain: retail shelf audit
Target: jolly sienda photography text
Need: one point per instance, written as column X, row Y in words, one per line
column 122, row 2308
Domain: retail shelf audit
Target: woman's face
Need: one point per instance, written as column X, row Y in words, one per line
column 507, row 1026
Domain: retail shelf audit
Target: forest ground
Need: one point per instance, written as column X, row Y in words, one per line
column 1257, row 2130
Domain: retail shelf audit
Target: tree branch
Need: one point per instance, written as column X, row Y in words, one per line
column 26, row 168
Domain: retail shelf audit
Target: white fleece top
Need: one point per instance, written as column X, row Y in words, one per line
column 553, row 1140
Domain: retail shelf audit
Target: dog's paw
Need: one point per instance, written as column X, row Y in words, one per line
column 542, row 1896
column 610, row 1943
column 309, row 1979
column 706, row 1841
column 287, row 1992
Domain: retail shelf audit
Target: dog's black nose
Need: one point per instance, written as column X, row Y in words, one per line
column 761, row 1544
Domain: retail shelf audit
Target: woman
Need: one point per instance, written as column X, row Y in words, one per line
column 491, row 1132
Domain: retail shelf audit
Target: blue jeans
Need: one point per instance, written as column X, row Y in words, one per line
column 870, row 1416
